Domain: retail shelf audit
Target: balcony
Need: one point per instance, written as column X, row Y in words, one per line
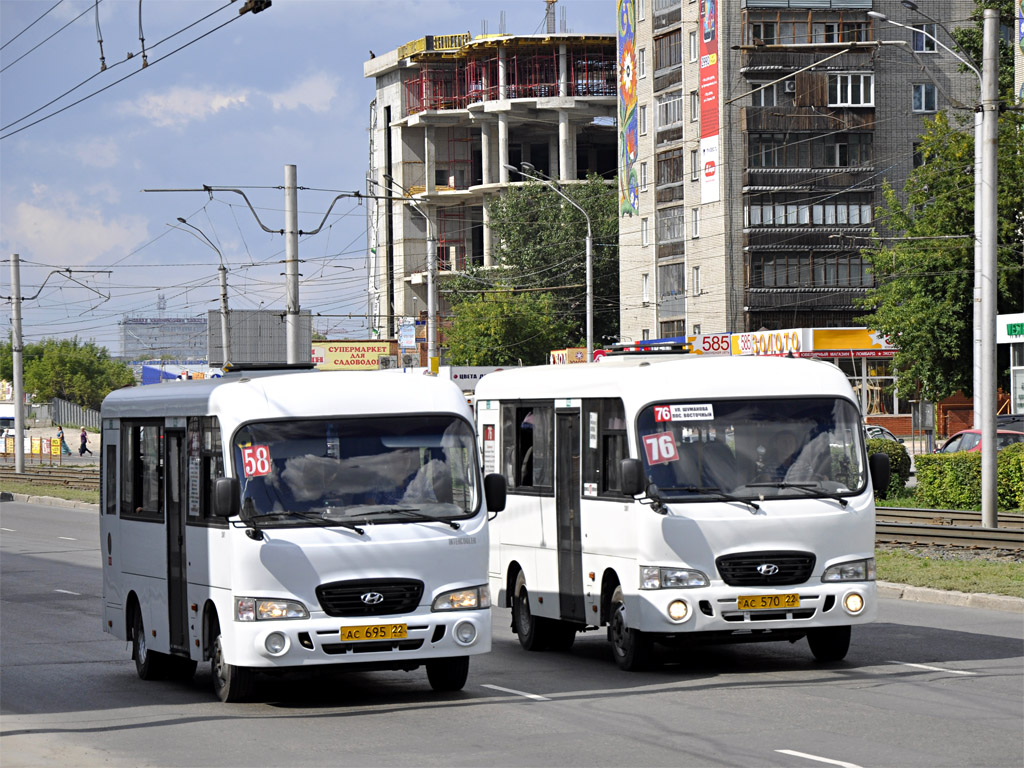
column 808, row 179
column 790, row 119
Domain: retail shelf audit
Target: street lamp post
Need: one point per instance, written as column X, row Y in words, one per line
column 223, row 272
column 527, row 170
column 986, row 132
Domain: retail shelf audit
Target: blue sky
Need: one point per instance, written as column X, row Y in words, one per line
column 225, row 101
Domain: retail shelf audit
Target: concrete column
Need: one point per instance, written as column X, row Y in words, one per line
column 488, row 256
column 503, row 148
column 552, row 152
column 429, row 159
column 563, row 71
column 486, row 135
column 502, row 74
column 565, row 170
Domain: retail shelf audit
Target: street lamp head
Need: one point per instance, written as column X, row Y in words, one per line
column 877, row 15
column 528, row 167
column 182, row 220
column 910, row 5
column 511, row 168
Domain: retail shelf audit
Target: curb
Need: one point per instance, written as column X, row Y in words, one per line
column 950, row 597
column 50, row 501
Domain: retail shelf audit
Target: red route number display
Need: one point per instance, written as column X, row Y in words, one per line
column 256, row 460
column 660, row 448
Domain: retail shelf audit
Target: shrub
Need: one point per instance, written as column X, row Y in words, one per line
column 953, row 480
column 899, row 465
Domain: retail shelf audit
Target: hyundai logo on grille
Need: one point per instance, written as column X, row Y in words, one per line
column 376, row 598
column 766, row 569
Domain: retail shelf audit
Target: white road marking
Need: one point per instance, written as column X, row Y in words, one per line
column 68, row 592
column 9, row 530
column 66, row 538
column 818, row 759
column 934, row 669
column 533, row 696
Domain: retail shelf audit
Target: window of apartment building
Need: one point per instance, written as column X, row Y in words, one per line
column 790, row 211
column 762, row 33
column 694, row 47
column 670, row 109
column 643, row 177
column 671, row 224
column 672, row 328
column 668, row 50
column 918, row 154
column 924, row 97
column 672, row 279
column 694, row 106
column 645, row 237
column 695, row 218
column 642, row 119
column 694, row 164
column 765, row 150
column 645, row 288
column 695, row 283
column 762, row 94
column 853, row 32
column 847, row 150
column 825, row 32
column 641, row 10
column 809, row 269
column 696, row 329
column 671, row 168
column 851, row 90
column 641, row 63
column 924, row 38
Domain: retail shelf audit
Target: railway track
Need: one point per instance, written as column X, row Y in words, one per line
column 920, row 527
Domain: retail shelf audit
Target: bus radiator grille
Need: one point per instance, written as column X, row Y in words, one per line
column 742, row 570
column 370, row 597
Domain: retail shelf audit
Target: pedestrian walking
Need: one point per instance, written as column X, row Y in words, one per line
column 84, row 448
column 64, row 449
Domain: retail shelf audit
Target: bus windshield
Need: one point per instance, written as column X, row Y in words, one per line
column 356, row 470
column 759, row 449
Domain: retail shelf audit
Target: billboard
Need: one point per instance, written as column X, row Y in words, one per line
column 345, row 355
column 709, row 101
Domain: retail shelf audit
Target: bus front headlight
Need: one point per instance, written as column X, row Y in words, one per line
column 855, row 570
column 654, row 577
column 468, row 599
column 268, row 609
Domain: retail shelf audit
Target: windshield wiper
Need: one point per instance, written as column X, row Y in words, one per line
column 315, row 519
column 717, row 492
column 413, row 512
column 811, row 489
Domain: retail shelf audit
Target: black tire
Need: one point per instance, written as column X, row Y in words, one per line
column 448, row 674
column 230, row 683
column 151, row 665
column 528, row 627
column 631, row 648
column 181, row 669
column 829, row 643
column 560, row 634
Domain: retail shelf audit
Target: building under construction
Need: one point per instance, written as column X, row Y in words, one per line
column 450, row 113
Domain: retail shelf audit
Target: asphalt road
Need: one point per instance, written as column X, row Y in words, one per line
column 927, row 685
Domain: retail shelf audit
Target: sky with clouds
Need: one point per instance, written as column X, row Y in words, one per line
column 224, row 100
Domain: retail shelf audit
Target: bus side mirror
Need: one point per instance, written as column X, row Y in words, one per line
column 494, row 492
column 880, row 472
column 633, row 481
column 225, row 497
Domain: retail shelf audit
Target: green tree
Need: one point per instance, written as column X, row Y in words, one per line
column 539, row 242
column 81, row 373
column 504, row 328
column 923, row 295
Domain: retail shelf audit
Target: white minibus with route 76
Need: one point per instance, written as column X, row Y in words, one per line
column 277, row 519
column 685, row 501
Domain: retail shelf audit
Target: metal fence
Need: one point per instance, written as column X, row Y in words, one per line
column 68, row 414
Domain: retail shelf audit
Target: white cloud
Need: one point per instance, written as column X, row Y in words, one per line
column 178, row 106
column 97, row 153
column 315, row 92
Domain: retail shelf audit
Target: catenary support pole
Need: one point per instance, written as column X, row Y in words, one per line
column 16, row 350
column 291, row 266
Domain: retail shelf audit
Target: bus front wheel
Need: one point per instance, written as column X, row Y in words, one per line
column 528, row 627
column 151, row 665
column 630, row 647
column 448, row 674
column 230, row 683
column 829, row 643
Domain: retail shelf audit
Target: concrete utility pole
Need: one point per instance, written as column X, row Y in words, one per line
column 291, row 266
column 225, row 336
column 16, row 349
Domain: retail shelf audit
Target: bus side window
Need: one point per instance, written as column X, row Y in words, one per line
column 527, row 437
column 142, row 469
column 110, row 488
column 604, row 445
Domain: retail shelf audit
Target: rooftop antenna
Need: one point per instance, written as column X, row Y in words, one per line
column 501, row 24
column 563, row 26
column 483, row 27
column 549, row 16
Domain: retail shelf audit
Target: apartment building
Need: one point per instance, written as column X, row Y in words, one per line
column 755, row 137
column 451, row 113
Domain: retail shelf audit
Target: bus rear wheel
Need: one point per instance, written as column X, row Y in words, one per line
column 631, row 648
column 829, row 643
column 448, row 674
column 230, row 683
column 151, row 665
column 528, row 627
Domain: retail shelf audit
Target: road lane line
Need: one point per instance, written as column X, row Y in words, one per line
column 9, row 530
column 934, row 669
column 533, row 696
column 68, row 592
column 818, row 759
column 66, row 538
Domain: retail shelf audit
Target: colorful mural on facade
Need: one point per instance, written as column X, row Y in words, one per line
column 629, row 187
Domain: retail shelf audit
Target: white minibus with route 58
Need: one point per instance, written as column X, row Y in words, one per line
column 681, row 501
column 276, row 519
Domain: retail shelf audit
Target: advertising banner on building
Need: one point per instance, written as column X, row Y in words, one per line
column 850, row 342
column 709, row 102
column 352, row 355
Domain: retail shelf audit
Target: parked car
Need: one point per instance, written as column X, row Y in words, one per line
column 970, row 440
column 1010, row 421
column 875, row 432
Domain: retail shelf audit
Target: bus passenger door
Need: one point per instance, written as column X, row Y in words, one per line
column 567, row 505
column 175, row 478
